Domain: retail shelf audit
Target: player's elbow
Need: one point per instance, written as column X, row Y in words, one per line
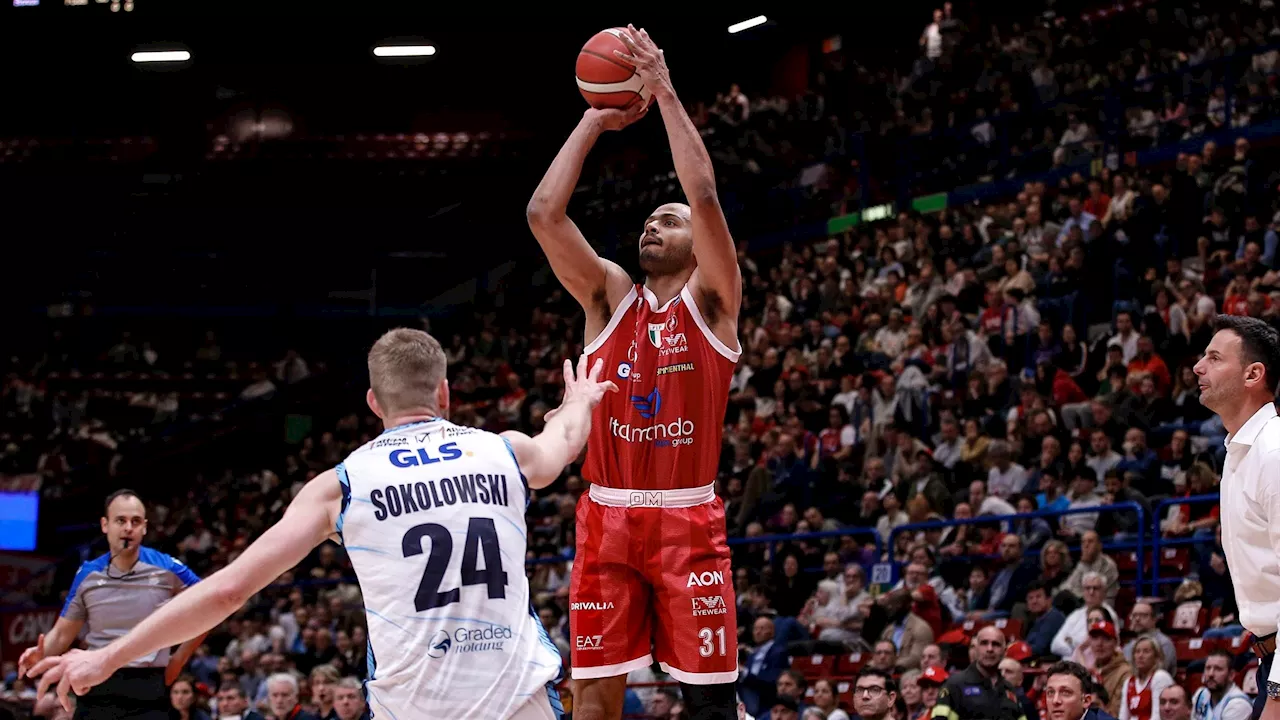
column 231, row 595
column 541, row 212
column 702, row 194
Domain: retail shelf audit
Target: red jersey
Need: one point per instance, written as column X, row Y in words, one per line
column 663, row 430
column 1140, row 701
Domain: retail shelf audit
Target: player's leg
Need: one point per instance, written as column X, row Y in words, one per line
column 609, row 615
column 710, row 702
column 599, row 698
column 696, row 638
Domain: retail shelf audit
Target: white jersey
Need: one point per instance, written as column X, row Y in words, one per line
column 1234, row 705
column 433, row 520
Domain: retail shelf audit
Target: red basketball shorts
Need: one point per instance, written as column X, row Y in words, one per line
column 652, row 580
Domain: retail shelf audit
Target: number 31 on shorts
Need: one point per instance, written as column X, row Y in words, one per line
column 707, row 635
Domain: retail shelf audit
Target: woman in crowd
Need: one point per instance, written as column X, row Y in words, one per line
column 824, row 698
column 182, row 701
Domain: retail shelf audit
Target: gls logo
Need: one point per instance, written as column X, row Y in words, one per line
column 410, row 458
column 706, row 579
column 647, row 405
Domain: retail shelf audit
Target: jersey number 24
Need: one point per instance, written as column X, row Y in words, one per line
column 481, row 537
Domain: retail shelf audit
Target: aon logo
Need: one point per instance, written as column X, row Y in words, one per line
column 705, row 579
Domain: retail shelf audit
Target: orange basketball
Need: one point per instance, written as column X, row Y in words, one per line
column 606, row 80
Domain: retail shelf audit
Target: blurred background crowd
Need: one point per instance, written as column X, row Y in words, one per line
column 913, row 371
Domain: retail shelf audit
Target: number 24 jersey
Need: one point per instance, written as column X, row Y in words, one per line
column 434, row 523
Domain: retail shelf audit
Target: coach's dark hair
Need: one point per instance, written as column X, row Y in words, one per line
column 1219, row 652
column 122, row 492
column 1038, row 584
column 799, row 678
column 1259, row 342
column 1075, row 670
column 889, row 684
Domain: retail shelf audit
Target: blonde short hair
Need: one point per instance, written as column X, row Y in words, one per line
column 328, row 672
column 406, row 367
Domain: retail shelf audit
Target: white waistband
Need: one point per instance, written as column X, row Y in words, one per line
column 624, row 497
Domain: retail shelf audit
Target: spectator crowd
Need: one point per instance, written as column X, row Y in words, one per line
column 1031, row 356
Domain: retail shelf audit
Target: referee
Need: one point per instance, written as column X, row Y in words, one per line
column 1238, row 376
column 111, row 594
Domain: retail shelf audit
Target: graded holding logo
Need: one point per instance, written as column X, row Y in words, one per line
column 439, row 645
column 468, row 640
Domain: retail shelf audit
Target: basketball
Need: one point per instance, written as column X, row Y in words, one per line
column 606, row 80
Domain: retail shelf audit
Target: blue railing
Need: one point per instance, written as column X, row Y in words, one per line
column 1137, row 544
column 1161, row 541
column 773, row 540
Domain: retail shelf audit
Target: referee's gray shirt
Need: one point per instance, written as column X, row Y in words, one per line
column 111, row 603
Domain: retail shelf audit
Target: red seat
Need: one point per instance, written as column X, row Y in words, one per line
column 1247, row 677
column 1012, row 628
column 1237, row 644
column 1186, row 620
column 1192, row 649
column 1127, row 564
column 971, row 627
column 1125, row 600
column 814, row 666
column 851, row 664
column 1175, row 560
column 844, row 694
column 1193, row 683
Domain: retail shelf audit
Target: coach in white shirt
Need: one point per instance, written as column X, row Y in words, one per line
column 1238, row 375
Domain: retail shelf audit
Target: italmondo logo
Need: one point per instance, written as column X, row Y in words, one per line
column 678, row 429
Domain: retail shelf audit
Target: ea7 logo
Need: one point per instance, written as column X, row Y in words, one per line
column 706, row 579
column 713, row 605
column 588, row 642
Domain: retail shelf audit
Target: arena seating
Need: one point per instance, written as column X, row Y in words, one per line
column 985, row 358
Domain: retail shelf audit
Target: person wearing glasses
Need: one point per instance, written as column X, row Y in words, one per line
column 980, row 692
column 874, row 694
column 1075, row 631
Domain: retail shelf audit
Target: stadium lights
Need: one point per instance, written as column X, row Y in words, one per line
column 747, row 24
column 404, row 50
column 161, row 56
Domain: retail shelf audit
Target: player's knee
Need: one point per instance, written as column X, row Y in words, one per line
column 710, row 702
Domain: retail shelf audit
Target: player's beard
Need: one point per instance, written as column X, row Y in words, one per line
column 666, row 259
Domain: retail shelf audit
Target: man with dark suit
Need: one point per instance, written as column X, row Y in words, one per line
column 1009, row 583
column 758, row 686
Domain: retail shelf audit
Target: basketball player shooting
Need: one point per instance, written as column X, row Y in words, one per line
column 651, row 577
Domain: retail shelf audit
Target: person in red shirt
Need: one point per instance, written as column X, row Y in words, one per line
column 1098, row 202
column 651, row 576
column 1147, row 362
column 1237, row 300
